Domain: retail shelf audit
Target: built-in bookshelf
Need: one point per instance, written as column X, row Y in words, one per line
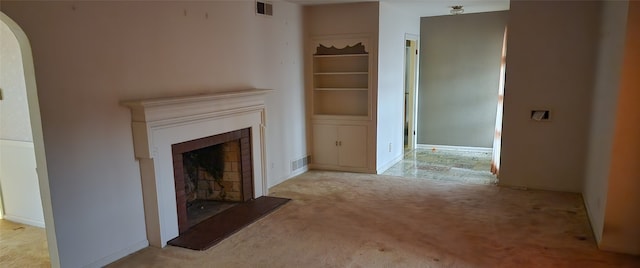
column 341, row 81
column 341, row 105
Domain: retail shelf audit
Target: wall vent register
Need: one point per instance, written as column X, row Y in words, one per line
column 264, row 8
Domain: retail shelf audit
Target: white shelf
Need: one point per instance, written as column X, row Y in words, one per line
column 342, row 88
column 341, row 84
column 340, row 73
column 340, row 117
column 340, row 55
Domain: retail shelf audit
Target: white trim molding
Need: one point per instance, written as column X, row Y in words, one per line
column 159, row 123
column 455, row 148
column 18, row 219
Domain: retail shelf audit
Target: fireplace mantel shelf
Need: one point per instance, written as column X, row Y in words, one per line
column 169, row 101
column 159, row 109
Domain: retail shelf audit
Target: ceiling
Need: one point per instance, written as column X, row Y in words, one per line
column 426, row 8
column 323, row 2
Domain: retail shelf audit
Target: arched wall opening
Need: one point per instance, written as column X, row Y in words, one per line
column 36, row 133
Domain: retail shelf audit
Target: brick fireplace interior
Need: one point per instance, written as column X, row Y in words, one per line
column 211, row 175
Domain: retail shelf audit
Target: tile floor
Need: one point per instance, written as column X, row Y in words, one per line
column 468, row 167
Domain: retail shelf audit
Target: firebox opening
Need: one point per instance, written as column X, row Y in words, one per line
column 211, row 174
column 212, row 180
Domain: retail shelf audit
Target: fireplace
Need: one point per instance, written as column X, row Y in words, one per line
column 158, row 124
column 211, row 175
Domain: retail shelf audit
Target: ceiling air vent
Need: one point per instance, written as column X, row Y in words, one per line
column 264, row 8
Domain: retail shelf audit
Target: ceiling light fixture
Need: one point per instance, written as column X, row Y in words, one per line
column 456, row 10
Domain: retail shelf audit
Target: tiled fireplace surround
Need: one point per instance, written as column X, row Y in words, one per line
column 158, row 124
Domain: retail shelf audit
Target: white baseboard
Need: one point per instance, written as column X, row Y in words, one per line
column 286, row 178
column 298, row 172
column 624, row 249
column 120, row 254
column 22, row 144
column 388, row 165
column 455, row 148
column 597, row 235
column 22, row 220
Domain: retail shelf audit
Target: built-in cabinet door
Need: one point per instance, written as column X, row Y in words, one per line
column 325, row 149
column 338, row 145
column 352, row 146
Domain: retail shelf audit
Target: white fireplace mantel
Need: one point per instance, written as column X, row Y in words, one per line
column 159, row 123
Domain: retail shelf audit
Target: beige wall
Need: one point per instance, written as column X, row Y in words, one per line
column 551, row 53
column 89, row 56
column 341, row 20
column 621, row 230
column 607, row 84
column 459, row 78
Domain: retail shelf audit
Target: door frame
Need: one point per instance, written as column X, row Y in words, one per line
column 412, row 97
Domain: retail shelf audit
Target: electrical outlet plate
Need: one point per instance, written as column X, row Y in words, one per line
column 540, row 115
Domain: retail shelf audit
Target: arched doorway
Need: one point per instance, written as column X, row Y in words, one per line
column 37, row 140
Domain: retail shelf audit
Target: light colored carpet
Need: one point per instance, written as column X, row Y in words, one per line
column 22, row 245
column 359, row 220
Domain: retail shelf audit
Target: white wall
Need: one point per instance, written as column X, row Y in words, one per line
column 551, row 54
column 19, row 192
column 19, row 181
column 14, row 111
column 282, row 53
column 607, row 85
column 89, row 56
column 395, row 21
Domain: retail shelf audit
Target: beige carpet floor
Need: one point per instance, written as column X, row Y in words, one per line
column 22, row 245
column 358, row 220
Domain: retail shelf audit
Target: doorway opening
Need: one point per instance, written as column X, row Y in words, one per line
column 25, row 194
column 410, row 90
column 497, row 139
column 458, row 112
